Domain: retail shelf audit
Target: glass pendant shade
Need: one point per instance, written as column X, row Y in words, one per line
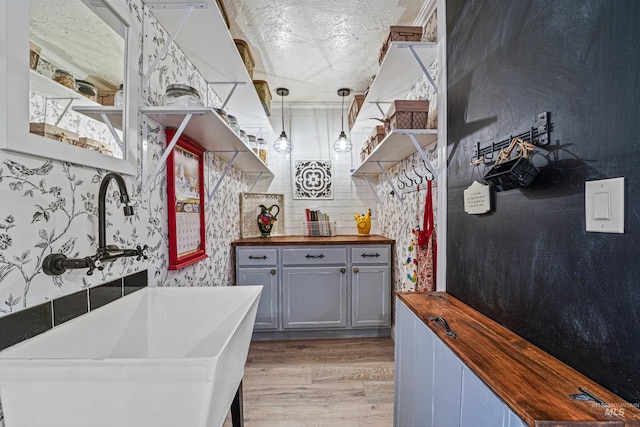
column 282, row 144
column 343, row 143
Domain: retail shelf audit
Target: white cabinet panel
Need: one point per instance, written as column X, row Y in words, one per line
column 447, row 386
column 480, row 406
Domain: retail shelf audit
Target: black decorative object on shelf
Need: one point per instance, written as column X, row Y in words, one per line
column 513, row 172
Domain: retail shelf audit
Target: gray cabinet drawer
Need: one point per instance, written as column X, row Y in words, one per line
column 314, row 255
column 257, row 256
column 370, row 255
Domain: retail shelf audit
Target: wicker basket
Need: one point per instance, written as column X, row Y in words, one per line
column 406, row 114
column 264, row 93
column 245, row 54
column 354, row 109
column 54, row 132
column 377, row 136
column 401, row 34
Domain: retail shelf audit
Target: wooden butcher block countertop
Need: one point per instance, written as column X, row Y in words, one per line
column 533, row 383
column 346, row 239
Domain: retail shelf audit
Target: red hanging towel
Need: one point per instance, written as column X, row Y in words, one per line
column 427, row 248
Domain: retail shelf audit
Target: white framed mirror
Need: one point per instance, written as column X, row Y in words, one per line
column 65, row 61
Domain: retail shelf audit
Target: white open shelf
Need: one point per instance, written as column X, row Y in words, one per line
column 207, row 129
column 50, row 89
column 97, row 112
column 398, row 73
column 208, row 44
column 394, row 148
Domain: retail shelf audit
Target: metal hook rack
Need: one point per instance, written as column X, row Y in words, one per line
column 537, row 135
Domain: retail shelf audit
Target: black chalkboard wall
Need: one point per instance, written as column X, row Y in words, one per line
column 530, row 264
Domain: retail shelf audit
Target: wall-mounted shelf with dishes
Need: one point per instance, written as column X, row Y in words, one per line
column 205, row 126
column 199, row 29
column 403, row 65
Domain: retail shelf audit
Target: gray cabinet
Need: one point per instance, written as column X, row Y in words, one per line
column 267, row 314
column 435, row 388
column 319, row 290
column 370, row 287
column 259, row 266
column 314, row 297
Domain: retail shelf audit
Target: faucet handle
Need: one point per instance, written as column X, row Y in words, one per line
column 142, row 252
column 94, row 263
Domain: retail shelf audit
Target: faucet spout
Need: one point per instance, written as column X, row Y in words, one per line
column 102, row 196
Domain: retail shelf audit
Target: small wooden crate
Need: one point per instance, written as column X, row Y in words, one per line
column 354, row 109
column 406, row 114
column 398, row 33
column 245, row 54
column 377, row 136
column 93, row 145
column 264, row 93
column 54, row 132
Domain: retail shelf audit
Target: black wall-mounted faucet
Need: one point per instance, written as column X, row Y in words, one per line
column 56, row 264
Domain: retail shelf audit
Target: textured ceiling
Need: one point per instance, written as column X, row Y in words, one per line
column 315, row 47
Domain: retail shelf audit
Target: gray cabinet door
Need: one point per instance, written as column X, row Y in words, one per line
column 370, row 296
column 267, row 315
column 314, row 297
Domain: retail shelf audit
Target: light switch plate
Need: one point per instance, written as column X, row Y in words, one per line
column 604, row 205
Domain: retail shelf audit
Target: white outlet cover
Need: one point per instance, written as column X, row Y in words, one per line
column 604, row 205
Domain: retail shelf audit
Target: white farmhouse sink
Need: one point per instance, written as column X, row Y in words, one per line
column 158, row 357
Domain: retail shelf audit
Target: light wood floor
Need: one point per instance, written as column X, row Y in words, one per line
column 317, row 383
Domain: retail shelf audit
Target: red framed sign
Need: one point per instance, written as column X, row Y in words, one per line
column 185, row 188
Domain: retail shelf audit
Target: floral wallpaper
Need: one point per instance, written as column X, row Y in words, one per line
column 401, row 220
column 53, row 206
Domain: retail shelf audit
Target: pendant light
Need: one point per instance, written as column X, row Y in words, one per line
column 343, row 144
column 283, row 144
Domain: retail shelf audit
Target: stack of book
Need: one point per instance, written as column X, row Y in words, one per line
column 318, row 224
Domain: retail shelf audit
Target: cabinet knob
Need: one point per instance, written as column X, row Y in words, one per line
column 343, row 270
column 355, row 270
column 273, row 272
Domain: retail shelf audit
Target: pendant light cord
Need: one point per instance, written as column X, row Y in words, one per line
column 282, row 110
column 342, row 113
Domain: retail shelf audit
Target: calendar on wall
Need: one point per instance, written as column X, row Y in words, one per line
column 185, row 187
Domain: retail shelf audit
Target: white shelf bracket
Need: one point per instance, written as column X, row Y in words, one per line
column 224, row 174
column 107, row 121
column 233, row 89
column 382, row 113
column 256, row 181
column 422, row 66
column 188, row 8
column 426, row 160
column 161, row 163
column 373, row 190
column 64, row 112
column 393, row 187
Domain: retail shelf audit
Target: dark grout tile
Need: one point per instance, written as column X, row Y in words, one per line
column 25, row 324
column 69, row 307
column 135, row 282
column 104, row 294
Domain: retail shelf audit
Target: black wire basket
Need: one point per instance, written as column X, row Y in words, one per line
column 514, row 173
